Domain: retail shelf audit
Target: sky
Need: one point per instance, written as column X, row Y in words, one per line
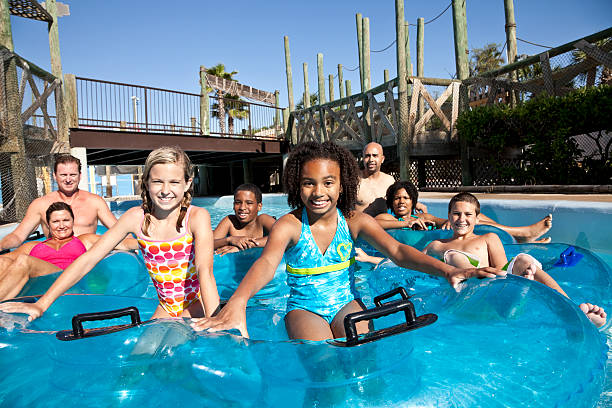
column 162, row 44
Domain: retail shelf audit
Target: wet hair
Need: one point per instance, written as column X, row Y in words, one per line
column 64, row 159
column 464, row 198
column 165, row 155
column 58, row 206
column 308, row 151
column 410, row 189
column 252, row 188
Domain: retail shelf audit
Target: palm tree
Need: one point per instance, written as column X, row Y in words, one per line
column 485, row 59
column 236, row 109
column 219, row 107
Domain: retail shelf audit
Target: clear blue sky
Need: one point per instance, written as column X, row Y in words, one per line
column 162, row 43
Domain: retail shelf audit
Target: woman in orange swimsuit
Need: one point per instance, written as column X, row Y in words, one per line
column 37, row 258
column 176, row 241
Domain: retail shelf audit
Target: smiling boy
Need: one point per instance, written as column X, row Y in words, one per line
column 466, row 249
column 246, row 228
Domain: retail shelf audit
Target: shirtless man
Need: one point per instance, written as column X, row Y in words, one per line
column 373, row 183
column 88, row 208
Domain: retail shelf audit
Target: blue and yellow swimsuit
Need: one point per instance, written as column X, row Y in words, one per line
column 321, row 283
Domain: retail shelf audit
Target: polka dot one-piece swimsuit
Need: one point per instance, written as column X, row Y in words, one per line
column 170, row 265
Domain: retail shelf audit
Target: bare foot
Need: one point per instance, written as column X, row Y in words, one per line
column 531, row 233
column 596, row 314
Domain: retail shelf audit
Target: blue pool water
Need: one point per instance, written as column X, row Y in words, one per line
column 502, row 342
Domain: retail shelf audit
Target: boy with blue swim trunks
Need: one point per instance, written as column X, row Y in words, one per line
column 466, row 248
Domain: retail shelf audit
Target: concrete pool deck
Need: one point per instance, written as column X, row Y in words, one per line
column 603, row 198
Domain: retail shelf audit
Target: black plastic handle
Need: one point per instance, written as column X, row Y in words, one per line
column 77, row 321
column 397, row 291
column 350, row 320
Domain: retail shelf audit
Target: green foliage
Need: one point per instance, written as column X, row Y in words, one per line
column 543, row 128
column 485, row 59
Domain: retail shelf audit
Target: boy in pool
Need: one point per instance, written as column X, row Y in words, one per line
column 466, row 248
column 316, row 239
column 246, row 228
column 402, row 198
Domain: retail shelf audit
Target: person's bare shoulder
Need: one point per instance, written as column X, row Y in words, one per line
column 266, row 221
column 387, row 178
column 93, row 199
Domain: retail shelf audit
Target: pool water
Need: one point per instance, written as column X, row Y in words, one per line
column 445, row 362
column 575, row 223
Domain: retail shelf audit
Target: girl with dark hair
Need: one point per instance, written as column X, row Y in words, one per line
column 401, row 198
column 316, row 239
column 175, row 239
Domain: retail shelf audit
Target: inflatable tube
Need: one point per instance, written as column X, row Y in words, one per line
column 120, row 273
column 420, row 239
column 497, row 342
column 230, row 268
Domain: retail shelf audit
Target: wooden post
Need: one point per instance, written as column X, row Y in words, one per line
column 402, row 111
column 17, row 181
column 109, row 186
column 70, row 101
column 56, row 70
column 331, row 87
column 386, row 75
column 276, row 112
column 463, row 72
column 321, row 79
column 358, row 20
column 340, row 81
column 347, row 85
column 409, row 70
column 421, row 59
column 511, row 44
column 204, row 103
column 289, row 75
column 306, row 86
column 367, row 80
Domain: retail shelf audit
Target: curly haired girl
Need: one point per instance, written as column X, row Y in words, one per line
column 316, row 239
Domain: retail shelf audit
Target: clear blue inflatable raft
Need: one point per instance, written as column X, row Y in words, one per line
column 496, row 342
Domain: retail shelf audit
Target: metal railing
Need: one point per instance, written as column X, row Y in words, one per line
column 127, row 107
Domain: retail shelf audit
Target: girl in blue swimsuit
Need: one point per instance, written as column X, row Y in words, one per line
column 321, row 182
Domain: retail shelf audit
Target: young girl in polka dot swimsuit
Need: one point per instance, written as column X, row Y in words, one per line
column 175, row 238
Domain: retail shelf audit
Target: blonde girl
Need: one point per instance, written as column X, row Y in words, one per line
column 175, row 238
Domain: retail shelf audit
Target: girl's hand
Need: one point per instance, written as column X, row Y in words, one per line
column 446, row 225
column 461, row 275
column 33, row 311
column 419, row 224
column 232, row 316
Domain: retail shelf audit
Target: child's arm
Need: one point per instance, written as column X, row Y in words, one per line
column 547, row 280
column 128, row 244
column 267, row 222
column 199, row 223
column 409, row 257
column 233, row 314
column 80, row 267
column 495, row 251
column 222, row 236
column 387, row 221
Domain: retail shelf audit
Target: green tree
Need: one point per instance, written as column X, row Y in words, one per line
column 486, row 59
column 236, row 109
column 313, row 101
column 219, row 108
